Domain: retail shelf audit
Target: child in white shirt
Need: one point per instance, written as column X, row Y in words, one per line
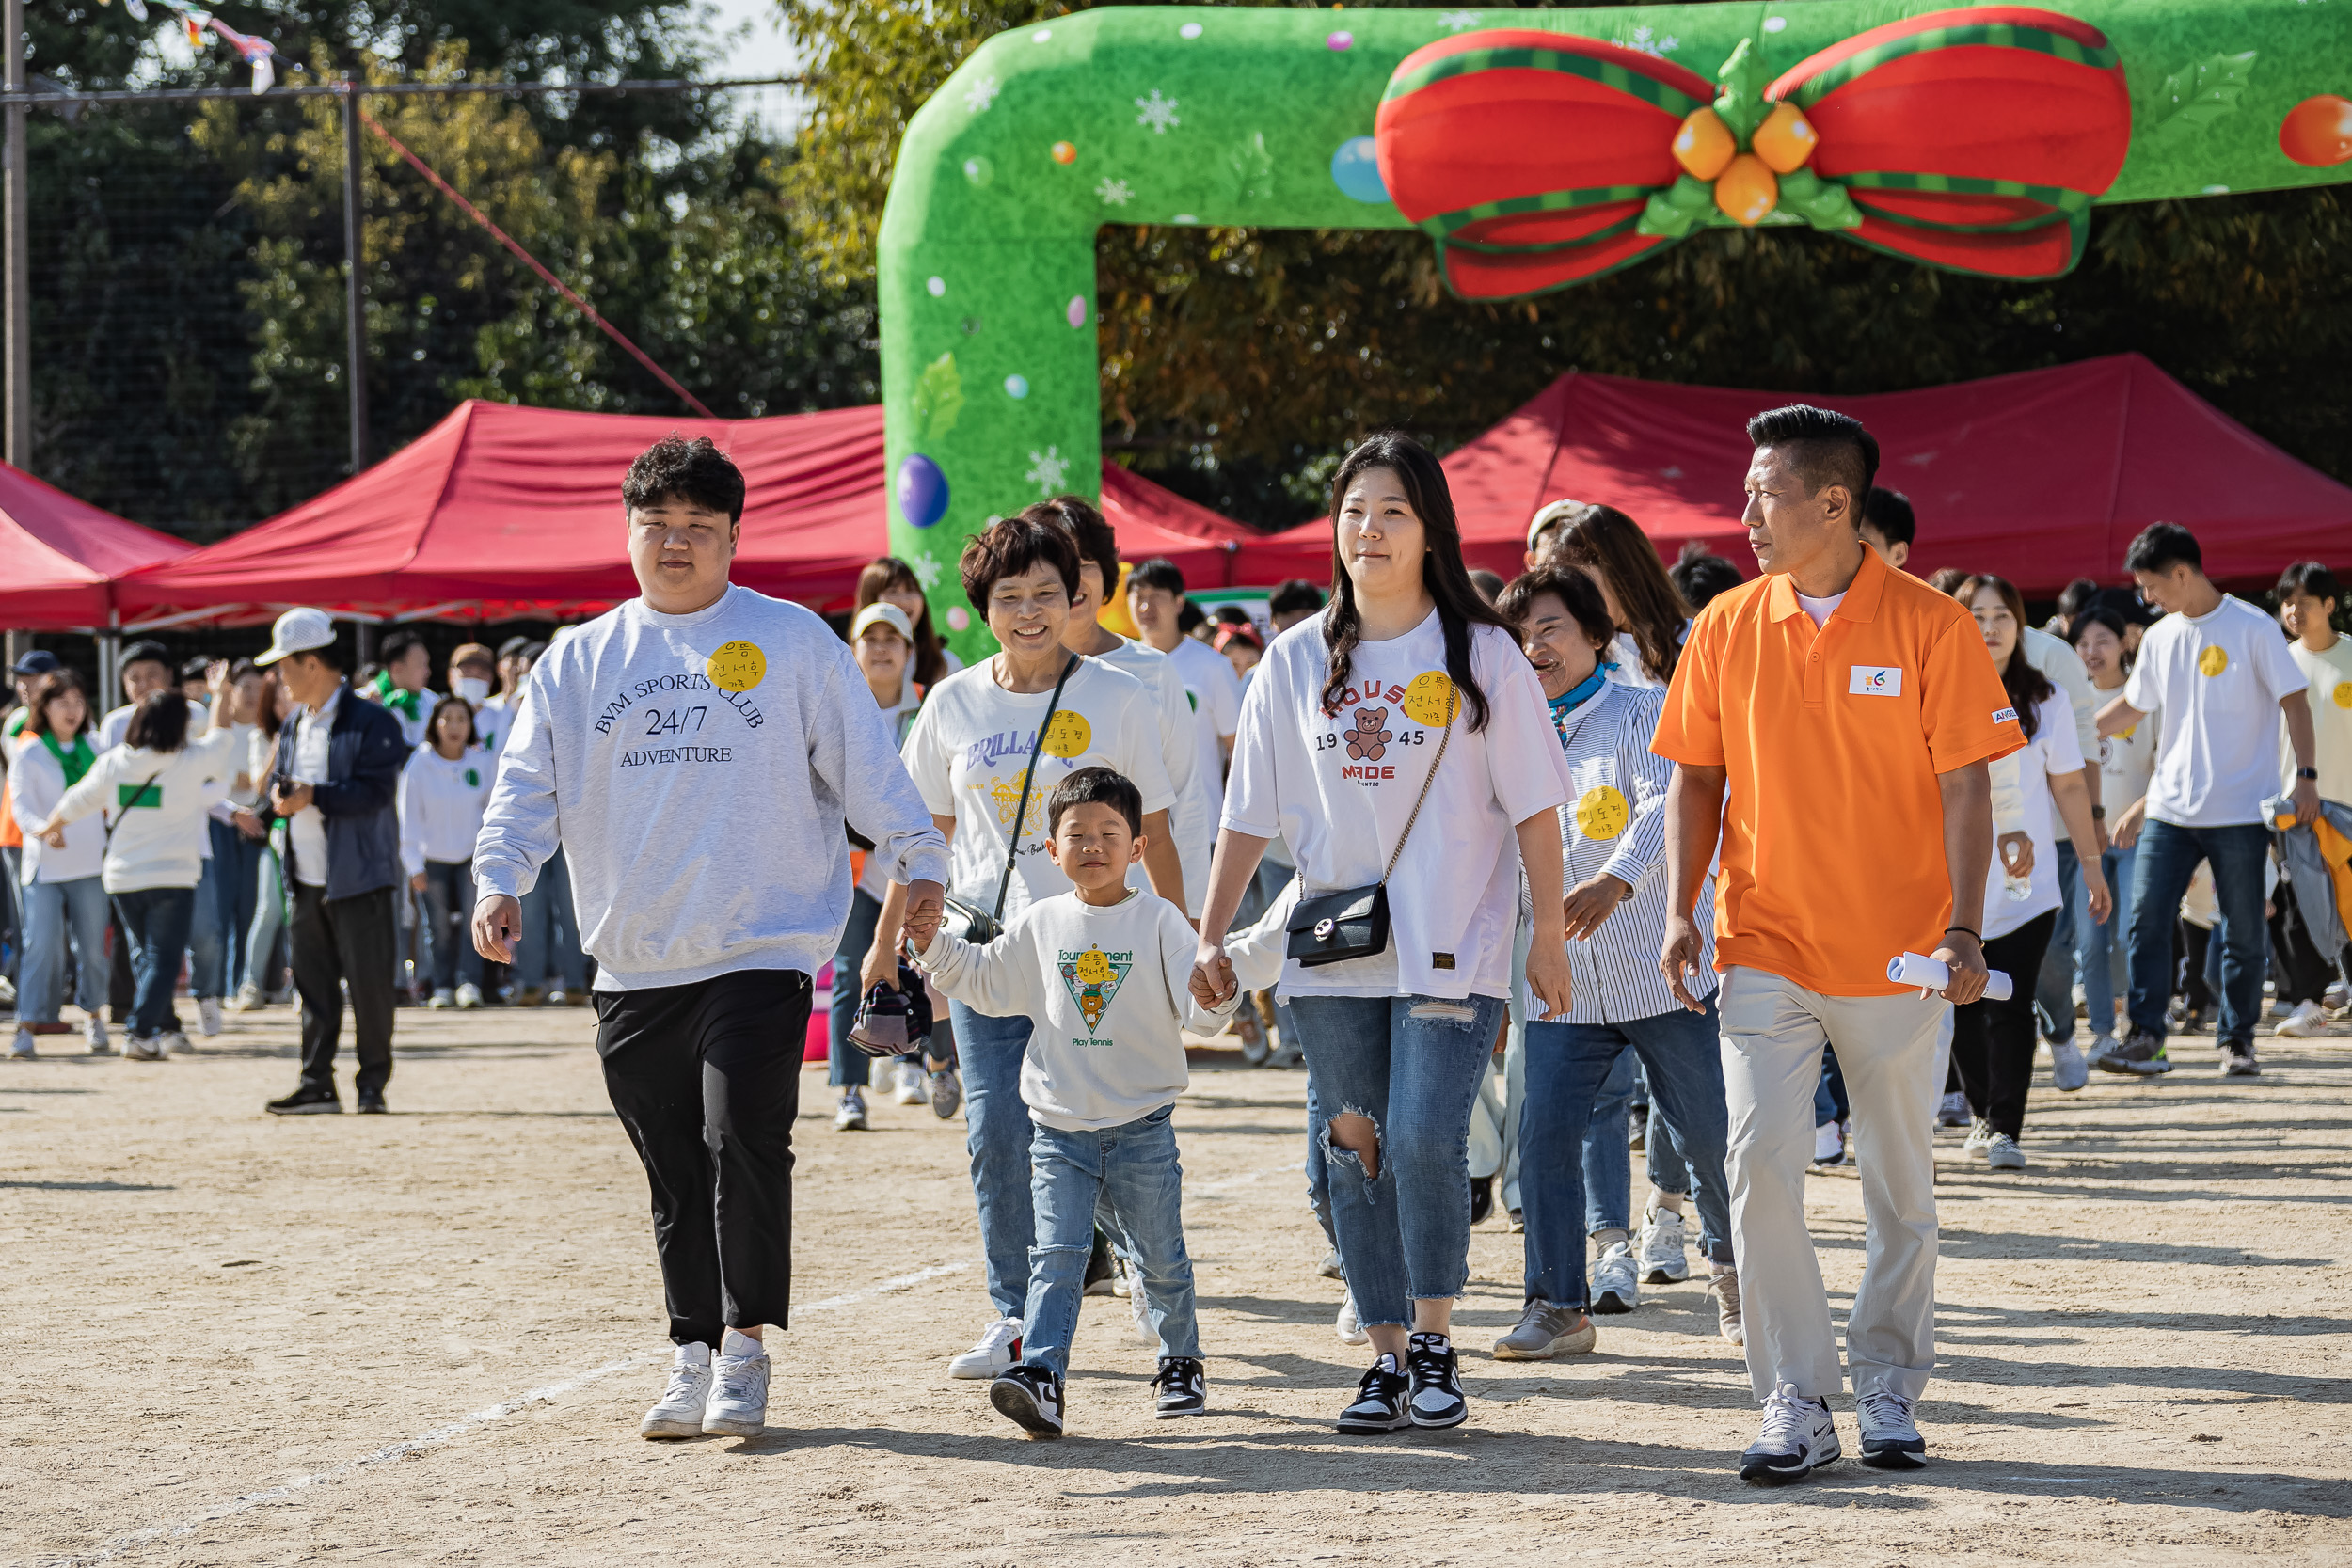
column 1105, row 971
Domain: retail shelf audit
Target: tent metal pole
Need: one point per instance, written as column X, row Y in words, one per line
column 19, row 307
column 354, row 269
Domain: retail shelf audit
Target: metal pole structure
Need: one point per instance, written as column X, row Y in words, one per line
column 19, row 307
column 354, row 269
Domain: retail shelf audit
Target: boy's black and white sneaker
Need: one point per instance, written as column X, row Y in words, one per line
column 1184, row 1385
column 1031, row 1397
column 1890, row 1439
column 1381, row 1399
column 1435, row 1377
column 1798, row 1438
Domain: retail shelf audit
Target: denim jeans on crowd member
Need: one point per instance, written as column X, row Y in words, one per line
column 55, row 911
column 996, row 1134
column 2100, row 946
column 2054, row 986
column 448, row 926
column 1130, row 1175
column 208, row 928
column 156, row 920
column 548, row 946
column 1411, row 1065
column 1828, row 1095
column 269, row 919
column 237, row 879
column 1607, row 1157
column 2167, row 858
column 1567, row 1065
column 846, row 1061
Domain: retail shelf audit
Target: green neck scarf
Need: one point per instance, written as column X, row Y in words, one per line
column 75, row 759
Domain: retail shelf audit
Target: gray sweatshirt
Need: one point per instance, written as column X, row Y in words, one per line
column 697, row 770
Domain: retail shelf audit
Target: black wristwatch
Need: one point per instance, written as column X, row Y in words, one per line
column 2311, row 773
column 2098, row 814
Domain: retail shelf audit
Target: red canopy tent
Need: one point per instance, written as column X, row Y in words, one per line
column 2042, row 476
column 59, row 554
column 503, row 513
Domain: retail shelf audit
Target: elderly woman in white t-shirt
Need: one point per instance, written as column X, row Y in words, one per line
column 1399, row 739
column 1029, row 717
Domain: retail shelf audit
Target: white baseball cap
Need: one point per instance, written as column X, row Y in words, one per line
column 298, row 631
column 879, row 614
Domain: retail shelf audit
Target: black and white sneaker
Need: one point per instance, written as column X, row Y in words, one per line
column 1031, row 1397
column 1381, row 1399
column 1436, row 1373
column 1798, row 1438
column 1184, row 1385
column 1890, row 1438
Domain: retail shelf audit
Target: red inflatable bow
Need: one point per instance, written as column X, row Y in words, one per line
column 1972, row 140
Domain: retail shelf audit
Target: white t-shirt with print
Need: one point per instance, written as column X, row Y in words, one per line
column 970, row 748
column 1215, row 692
column 2053, row 752
column 1192, row 819
column 2331, row 675
column 1341, row 788
column 2217, row 679
column 2127, row 759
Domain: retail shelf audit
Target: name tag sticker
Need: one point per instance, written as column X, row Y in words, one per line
column 2005, row 715
column 1875, row 680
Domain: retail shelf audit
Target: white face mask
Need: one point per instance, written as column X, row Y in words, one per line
column 472, row 687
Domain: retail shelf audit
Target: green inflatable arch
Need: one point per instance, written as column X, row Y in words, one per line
column 1535, row 149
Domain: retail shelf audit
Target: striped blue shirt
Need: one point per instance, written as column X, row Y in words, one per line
column 1615, row 822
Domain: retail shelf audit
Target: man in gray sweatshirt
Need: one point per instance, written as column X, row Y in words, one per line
column 695, row 752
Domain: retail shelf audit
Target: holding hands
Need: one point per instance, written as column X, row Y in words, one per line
column 1212, row 982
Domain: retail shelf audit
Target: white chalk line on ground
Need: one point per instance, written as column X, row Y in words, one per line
column 449, row 1432
column 1219, row 1188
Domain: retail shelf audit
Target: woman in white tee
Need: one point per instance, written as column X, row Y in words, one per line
column 2126, row 759
column 971, row 751
column 1409, row 683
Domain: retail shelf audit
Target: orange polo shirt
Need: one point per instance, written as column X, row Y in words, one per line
column 1833, row 848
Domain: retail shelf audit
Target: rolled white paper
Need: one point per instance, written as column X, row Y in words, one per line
column 1917, row 969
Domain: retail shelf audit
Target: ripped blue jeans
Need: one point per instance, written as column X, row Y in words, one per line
column 1411, row 1064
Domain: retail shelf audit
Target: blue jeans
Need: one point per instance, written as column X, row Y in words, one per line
column 550, row 935
column 2167, row 858
column 1828, row 1095
column 210, row 938
column 847, row 1062
column 2054, row 986
column 157, row 919
column 1567, row 1064
column 996, row 1134
column 269, row 919
column 1607, row 1155
column 449, row 948
column 54, row 912
column 1131, row 1172
column 1411, row 1065
column 2099, row 948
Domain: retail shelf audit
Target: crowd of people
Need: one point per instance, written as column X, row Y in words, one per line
column 1761, row 875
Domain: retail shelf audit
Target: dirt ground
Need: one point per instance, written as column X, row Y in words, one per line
column 427, row 1337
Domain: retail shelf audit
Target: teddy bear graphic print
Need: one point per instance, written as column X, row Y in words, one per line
column 1379, row 732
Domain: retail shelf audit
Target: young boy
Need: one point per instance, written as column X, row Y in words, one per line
column 1104, row 970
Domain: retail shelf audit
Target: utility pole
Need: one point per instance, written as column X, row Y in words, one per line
column 355, row 268
column 19, row 307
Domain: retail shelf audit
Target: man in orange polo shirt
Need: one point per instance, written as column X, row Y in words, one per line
column 1849, row 712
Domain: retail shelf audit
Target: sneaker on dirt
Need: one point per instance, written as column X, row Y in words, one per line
column 849, row 1116
column 305, row 1101
column 1798, row 1438
column 1545, row 1331
column 998, row 1347
column 678, row 1413
column 738, row 1390
column 208, row 1016
column 1616, row 1280
column 1031, row 1397
column 1347, row 1326
column 1890, row 1440
column 1952, row 1110
column 1381, row 1399
column 2068, row 1071
column 1436, row 1376
column 2138, row 1055
column 2237, row 1061
column 2002, row 1153
column 1660, row 1255
column 1184, row 1385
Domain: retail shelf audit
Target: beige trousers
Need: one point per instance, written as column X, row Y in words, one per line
column 1772, row 1033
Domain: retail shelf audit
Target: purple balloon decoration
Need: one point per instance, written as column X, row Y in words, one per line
column 922, row 490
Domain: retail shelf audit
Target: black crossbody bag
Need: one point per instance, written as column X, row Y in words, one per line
column 1353, row 922
column 971, row 923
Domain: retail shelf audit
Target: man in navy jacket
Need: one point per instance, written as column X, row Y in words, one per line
column 333, row 782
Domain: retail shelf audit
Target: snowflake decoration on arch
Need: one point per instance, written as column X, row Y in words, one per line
column 1047, row 470
column 1455, row 22
column 927, row 571
column 1114, row 193
column 1157, row 112
column 980, row 94
column 1646, row 40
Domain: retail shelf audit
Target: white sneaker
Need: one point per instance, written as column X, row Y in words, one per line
column 557, row 996
column 1890, row 1439
column 1616, row 1280
column 1980, row 1134
column 148, row 1049
column 469, row 997
column 442, row 997
column 2002, row 1153
column 171, row 1042
column 2069, row 1070
column 208, row 1016
column 2308, row 1022
column 995, row 1351
column 94, row 1031
column 1662, row 1259
column 1952, row 1110
column 1797, row 1439
column 911, row 1089
column 23, row 1049
column 849, row 1116
column 738, row 1390
column 678, row 1413
column 249, row 999
column 1346, row 1327
column 1829, row 1144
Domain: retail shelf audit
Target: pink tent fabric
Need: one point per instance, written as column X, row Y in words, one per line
column 2042, row 476
column 503, row 513
column 58, row 555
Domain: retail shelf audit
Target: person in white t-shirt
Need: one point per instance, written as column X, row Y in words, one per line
column 2221, row 673
column 2308, row 597
column 1155, row 595
column 987, row 749
column 2125, row 760
column 1400, row 739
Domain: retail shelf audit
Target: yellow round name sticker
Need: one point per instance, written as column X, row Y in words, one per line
column 1067, row 736
column 1429, row 698
column 1603, row 813
column 1093, row 968
column 738, row 667
column 2343, row 693
column 2215, row 659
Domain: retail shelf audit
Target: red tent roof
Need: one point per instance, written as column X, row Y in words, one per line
column 2042, row 476
column 503, row 513
column 57, row 554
